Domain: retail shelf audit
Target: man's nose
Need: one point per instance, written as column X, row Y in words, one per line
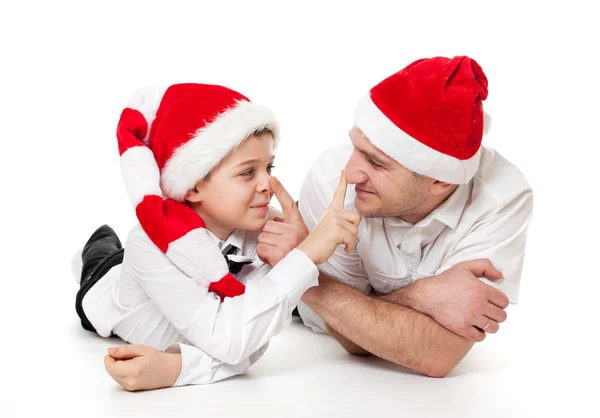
column 354, row 171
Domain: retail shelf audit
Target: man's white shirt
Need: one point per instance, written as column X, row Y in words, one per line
column 486, row 218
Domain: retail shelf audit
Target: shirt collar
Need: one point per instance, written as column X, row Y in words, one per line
column 450, row 212
column 236, row 238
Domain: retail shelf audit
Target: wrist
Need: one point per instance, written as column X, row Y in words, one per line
column 305, row 248
column 172, row 368
column 419, row 297
column 413, row 296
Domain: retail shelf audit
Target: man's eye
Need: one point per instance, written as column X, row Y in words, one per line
column 373, row 163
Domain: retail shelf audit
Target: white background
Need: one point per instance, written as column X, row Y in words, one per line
column 68, row 69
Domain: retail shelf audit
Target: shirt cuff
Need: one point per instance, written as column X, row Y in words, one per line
column 295, row 274
column 196, row 365
column 511, row 290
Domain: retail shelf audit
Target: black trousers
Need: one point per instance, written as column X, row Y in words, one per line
column 102, row 251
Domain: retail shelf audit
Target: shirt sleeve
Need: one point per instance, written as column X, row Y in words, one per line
column 198, row 368
column 234, row 329
column 499, row 237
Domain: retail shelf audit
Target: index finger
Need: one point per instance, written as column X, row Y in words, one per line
column 340, row 193
column 288, row 206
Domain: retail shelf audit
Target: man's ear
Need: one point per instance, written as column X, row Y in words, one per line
column 438, row 188
column 195, row 195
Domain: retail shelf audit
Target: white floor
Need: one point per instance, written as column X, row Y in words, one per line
column 53, row 365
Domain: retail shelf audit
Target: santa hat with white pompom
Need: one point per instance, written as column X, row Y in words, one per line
column 169, row 139
column 429, row 117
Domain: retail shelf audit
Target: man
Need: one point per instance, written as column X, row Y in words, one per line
column 441, row 244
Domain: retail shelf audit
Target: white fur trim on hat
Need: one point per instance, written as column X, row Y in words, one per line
column 198, row 256
column 409, row 152
column 140, row 173
column 193, row 160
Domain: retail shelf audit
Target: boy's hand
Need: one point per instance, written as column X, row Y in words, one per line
column 337, row 226
column 280, row 236
column 139, row 367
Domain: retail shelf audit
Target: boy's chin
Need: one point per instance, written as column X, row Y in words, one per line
column 253, row 224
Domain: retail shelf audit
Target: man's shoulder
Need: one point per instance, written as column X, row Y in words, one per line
column 497, row 181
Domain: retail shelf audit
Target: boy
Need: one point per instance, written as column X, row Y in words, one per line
column 188, row 283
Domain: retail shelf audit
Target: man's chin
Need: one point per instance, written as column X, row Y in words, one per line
column 363, row 209
column 367, row 211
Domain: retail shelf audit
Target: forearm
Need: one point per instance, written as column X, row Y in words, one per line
column 390, row 331
column 348, row 345
column 412, row 296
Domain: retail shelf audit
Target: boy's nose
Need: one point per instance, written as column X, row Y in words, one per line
column 264, row 185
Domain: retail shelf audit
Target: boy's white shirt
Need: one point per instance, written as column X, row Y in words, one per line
column 148, row 300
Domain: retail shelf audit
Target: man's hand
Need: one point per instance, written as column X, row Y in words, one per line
column 336, row 226
column 139, row 367
column 461, row 302
column 280, row 236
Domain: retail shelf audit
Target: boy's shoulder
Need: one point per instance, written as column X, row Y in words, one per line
column 138, row 239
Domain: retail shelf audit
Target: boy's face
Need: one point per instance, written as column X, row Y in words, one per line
column 237, row 192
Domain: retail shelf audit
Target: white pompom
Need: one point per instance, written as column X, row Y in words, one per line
column 146, row 101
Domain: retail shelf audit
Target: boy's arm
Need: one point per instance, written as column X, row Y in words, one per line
column 232, row 330
column 140, row 367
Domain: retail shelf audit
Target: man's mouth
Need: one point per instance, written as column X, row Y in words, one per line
column 360, row 190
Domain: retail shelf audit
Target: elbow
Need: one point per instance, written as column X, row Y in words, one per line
column 438, row 371
column 357, row 351
column 442, row 363
column 436, row 367
column 442, row 367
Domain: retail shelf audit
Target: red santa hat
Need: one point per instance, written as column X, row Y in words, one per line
column 169, row 139
column 429, row 117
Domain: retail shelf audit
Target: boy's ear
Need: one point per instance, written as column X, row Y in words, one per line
column 194, row 195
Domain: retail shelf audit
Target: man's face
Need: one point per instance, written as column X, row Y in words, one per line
column 384, row 188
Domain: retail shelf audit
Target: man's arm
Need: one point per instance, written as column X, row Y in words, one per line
column 463, row 303
column 392, row 332
column 467, row 306
column 455, row 297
